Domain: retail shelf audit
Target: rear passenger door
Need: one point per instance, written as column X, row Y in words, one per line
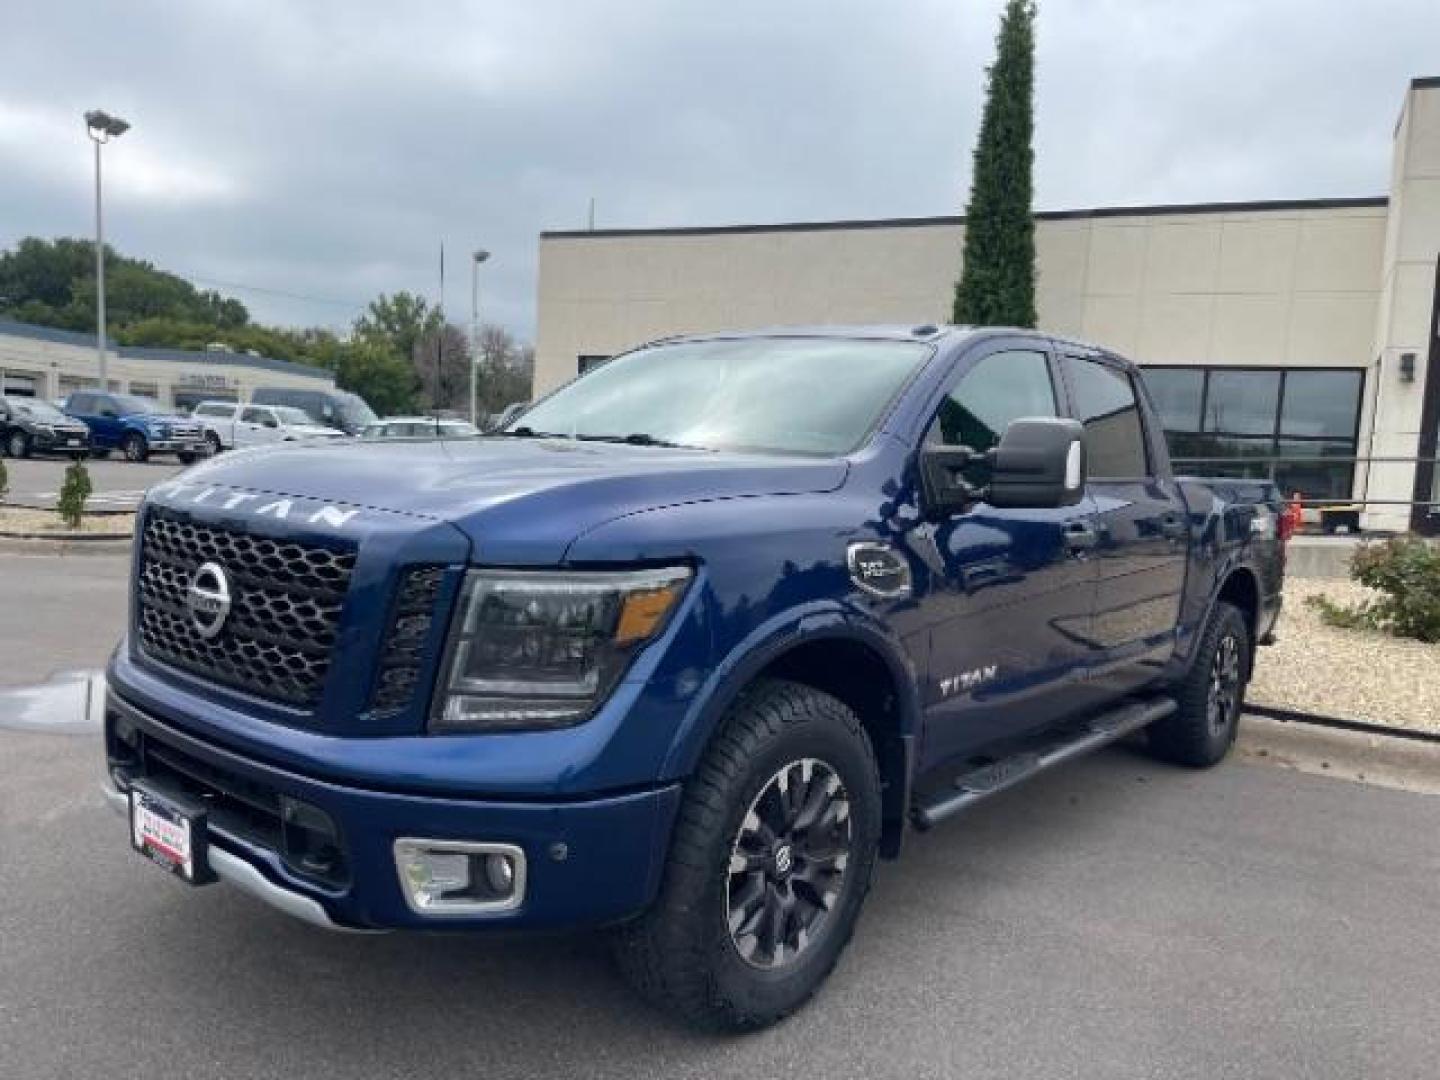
column 1141, row 522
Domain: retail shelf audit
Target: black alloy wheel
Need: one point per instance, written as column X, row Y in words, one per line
column 787, row 865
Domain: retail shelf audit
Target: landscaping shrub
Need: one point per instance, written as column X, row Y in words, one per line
column 73, row 493
column 1406, row 572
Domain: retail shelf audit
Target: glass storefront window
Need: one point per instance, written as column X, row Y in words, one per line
column 1320, row 403
column 1177, row 393
column 1241, row 421
column 1242, row 402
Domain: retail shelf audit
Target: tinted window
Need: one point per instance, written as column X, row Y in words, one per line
column 1242, row 402
column 255, row 416
column 1177, row 393
column 789, row 395
column 1320, row 403
column 214, row 410
column 1000, row 388
column 1114, row 434
column 81, row 403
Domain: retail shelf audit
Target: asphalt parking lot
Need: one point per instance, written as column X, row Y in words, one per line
column 118, row 484
column 1115, row 918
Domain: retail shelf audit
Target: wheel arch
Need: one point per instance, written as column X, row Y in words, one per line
column 855, row 661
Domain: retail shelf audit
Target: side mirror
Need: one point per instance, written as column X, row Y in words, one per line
column 1039, row 464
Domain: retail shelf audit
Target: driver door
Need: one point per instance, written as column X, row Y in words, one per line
column 257, row 426
column 1014, row 589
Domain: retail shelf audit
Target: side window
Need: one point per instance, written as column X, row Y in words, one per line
column 255, row 416
column 82, row 403
column 1114, row 433
column 1002, row 387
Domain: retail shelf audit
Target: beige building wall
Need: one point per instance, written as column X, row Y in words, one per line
column 1289, row 284
column 1313, row 283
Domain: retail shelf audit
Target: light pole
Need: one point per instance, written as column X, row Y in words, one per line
column 101, row 127
column 477, row 258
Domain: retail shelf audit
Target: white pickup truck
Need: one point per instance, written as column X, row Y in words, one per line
column 228, row 425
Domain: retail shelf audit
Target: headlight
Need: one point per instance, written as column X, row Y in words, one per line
column 45, row 429
column 543, row 649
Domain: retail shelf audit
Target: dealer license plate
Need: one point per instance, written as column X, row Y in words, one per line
column 167, row 835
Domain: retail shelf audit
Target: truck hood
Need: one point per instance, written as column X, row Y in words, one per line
column 520, row 501
column 159, row 418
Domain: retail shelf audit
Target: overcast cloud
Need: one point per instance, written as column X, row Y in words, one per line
column 327, row 148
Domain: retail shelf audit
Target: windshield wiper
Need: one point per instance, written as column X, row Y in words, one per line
column 637, row 438
column 529, row 433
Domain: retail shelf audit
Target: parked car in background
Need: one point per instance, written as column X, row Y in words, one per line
column 228, row 424
column 136, row 426
column 419, row 427
column 30, row 425
column 333, row 408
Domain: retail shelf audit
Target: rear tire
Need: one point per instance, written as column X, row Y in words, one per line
column 187, row 458
column 17, row 444
column 134, row 447
column 766, row 876
column 1211, row 696
column 213, row 441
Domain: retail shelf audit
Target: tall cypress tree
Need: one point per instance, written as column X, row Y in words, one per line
column 997, row 280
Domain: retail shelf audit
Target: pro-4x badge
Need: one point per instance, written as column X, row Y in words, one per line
column 878, row 569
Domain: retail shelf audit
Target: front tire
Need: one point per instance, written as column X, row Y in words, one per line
column 770, row 861
column 213, row 441
column 1211, row 696
column 17, row 445
column 187, row 458
column 134, row 447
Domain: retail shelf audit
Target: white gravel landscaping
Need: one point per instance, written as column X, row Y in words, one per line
column 1354, row 674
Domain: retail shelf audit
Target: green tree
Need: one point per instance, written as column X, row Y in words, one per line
column 997, row 278
column 401, row 322
column 74, row 492
column 52, row 283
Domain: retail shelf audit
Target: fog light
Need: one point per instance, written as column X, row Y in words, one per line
column 456, row 877
column 500, row 873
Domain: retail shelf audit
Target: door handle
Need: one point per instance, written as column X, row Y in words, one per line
column 1080, row 537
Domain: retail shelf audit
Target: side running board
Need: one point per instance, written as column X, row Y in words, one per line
column 979, row 784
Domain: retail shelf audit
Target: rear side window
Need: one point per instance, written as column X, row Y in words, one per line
column 82, row 403
column 214, row 410
column 1002, row 387
column 1105, row 403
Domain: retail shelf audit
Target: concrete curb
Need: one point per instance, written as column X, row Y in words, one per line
column 1379, row 760
column 64, row 544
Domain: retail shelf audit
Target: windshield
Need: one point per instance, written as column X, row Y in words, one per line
column 290, row 415
column 37, row 410
column 129, row 404
column 789, row 395
column 354, row 411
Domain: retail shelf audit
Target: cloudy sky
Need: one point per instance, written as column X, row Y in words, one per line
column 323, row 150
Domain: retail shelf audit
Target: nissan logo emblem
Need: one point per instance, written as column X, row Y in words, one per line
column 208, row 599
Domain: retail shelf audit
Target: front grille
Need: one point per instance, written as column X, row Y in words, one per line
column 404, row 650
column 284, row 614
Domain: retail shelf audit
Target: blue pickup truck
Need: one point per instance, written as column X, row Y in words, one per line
column 136, row 426
column 682, row 650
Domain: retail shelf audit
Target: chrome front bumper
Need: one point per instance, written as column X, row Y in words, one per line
column 239, row 873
